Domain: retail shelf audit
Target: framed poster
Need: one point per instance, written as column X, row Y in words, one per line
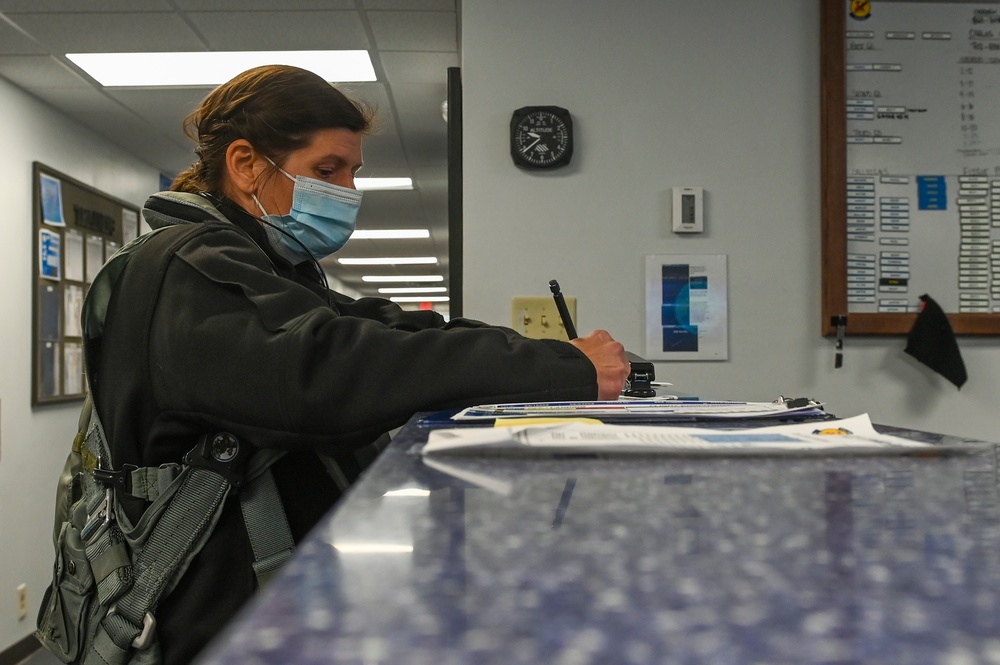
column 76, row 229
column 687, row 310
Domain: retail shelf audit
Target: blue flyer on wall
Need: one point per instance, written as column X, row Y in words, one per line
column 687, row 309
column 51, row 200
column 49, row 255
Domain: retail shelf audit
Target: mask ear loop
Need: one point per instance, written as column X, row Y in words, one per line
column 319, row 269
column 315, row 263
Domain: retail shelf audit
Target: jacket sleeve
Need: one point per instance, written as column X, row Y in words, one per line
column 394, row 316
column 237, row 346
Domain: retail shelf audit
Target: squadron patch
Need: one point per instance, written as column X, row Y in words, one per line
column 861, row 9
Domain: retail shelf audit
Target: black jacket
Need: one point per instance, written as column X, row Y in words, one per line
column 210, row 330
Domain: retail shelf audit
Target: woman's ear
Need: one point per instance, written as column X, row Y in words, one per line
column 243, row 167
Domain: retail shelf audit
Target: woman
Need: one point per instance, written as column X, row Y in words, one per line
column 222, row 322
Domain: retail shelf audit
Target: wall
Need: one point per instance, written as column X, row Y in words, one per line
column 34, row 442
column 718, row 94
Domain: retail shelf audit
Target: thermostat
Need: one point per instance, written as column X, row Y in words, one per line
column 689, row 216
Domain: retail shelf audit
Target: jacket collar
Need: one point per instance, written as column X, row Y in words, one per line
column 173, row 208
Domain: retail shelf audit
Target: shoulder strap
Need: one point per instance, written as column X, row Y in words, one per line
column 212, row 470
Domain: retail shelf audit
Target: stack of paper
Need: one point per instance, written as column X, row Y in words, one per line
column 642, row 409
column 847, row 436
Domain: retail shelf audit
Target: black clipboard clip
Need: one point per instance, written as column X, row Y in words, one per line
column 797, row 402
column 840, row 323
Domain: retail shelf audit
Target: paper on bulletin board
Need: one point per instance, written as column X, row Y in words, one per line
column 687, row 307
column 49, row 255
column 51, row 200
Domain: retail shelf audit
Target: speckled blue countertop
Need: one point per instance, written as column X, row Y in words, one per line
column 874, row 560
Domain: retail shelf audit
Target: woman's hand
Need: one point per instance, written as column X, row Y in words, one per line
column 609, row 359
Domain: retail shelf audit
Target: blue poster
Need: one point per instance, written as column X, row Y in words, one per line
column 686, row 307
column 49, row 254
column 51, row 190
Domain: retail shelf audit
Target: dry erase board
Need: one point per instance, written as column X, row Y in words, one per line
column 76, row 229
column 911, row 163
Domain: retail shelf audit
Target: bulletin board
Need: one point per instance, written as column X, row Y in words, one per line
column 910, row 163
column 76, row 229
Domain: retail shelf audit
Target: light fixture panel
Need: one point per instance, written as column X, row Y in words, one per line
column 211, row 68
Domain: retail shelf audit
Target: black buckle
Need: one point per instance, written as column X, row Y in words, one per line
column 222, row 453
column 120, row 481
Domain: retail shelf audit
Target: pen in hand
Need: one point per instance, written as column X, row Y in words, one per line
column 563, row 311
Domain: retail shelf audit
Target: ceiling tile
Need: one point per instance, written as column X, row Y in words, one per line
column 300, row 30
column 165, row 108
column 417, row 67
column 75, row 102
column 62, row 7
column 118, row 32
column 414, row 31
column 262, row 5
column 384, row 155
column 421, row 123
column 13, row 41
column 32, row 72
column 414, row 5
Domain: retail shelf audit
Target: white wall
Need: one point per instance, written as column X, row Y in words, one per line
column 34, row 442
column 720, row 94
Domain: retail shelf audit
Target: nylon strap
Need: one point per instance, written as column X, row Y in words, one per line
column 179, row 530
column 267, row 526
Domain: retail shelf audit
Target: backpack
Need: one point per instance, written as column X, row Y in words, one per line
column 109, row 574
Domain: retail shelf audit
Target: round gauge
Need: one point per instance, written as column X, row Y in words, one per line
column 541, row 137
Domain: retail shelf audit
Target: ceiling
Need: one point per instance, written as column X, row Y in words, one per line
column 412, row 44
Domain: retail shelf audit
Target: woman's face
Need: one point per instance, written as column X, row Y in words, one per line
column 333, row 156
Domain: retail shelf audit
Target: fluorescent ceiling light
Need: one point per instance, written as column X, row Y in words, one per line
column 391, row 261
column 382, row 184
column 210, row 68
column 419, row 299
column 409, row 491
column 402, row 278
column 373, row 548
column 391, row 234
column 413, row 289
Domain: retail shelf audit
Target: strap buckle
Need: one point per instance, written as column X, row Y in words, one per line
column 120, row 481
column 222, row 453
column 144, row 639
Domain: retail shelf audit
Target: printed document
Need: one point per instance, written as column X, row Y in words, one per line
column 846, row 436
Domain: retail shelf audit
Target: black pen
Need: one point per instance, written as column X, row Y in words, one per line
column 563, row 311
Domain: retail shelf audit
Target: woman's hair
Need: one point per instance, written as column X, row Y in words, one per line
column 276, row 108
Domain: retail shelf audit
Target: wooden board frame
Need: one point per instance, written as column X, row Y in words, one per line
column 65, row 208
column 833, row 119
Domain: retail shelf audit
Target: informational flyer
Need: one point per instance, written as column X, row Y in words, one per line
column 72, row 310
column 687, row 309
column 95, row 257
column 49, row 254
column 73, row 369
column 51, row 189
column 73, row 253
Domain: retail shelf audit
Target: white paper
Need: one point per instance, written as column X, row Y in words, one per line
column 667, row 408
column 850, row 435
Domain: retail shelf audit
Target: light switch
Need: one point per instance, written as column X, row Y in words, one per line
column 538, row 318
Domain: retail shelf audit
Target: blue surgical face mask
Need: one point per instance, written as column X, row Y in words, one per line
column 322, row 218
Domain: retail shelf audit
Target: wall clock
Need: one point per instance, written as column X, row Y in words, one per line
column 541, row 137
